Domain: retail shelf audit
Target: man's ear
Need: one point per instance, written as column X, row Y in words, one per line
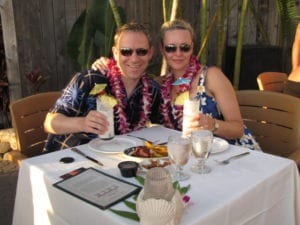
column 114, row 51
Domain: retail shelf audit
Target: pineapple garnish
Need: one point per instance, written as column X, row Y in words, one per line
column 108, row 100
column 98, row 89
column 180, row 99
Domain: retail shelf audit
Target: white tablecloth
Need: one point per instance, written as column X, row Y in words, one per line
column 257, row 189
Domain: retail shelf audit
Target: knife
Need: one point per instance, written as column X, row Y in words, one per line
column 86, row 156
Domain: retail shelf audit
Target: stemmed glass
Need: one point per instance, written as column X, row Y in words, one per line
column 179, row 151
column 201, row 146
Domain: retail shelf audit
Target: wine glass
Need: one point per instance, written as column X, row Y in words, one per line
column 179, row 151
column 201, row 146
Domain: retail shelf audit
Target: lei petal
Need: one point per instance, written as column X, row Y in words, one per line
column 118, row 90
column 173, row 113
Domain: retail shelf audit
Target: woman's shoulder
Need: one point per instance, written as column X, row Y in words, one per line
column 216, row 74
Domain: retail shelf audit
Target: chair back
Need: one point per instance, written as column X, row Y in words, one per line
column 273, row 118
column 271, row 81
column 28, row 115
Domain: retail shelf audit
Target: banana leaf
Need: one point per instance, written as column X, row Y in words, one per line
column 92, row 34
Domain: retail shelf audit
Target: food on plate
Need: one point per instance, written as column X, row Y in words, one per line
column 151, row 163
column 149, row 151
column 157, row 150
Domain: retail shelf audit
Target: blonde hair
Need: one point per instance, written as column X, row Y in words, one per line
column 177, row 24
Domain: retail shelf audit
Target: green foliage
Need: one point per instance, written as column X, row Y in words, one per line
column 92, row 34
column 288, row 17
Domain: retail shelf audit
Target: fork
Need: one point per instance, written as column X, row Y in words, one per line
column 141, row 138
column 227, row 161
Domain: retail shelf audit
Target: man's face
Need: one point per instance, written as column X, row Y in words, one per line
column 132, row 53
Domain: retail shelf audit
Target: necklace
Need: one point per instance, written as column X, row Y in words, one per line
column 173, row 113
column 118, row 90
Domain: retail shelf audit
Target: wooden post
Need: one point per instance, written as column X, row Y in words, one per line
column 11, row 49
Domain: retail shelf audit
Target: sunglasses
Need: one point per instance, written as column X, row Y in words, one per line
column 173, row 48
column 129, row 51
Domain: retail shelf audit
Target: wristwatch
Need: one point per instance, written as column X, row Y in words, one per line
column 216, row 126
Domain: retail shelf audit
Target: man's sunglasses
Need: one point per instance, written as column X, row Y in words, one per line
column 173, row 48
column 129, row 51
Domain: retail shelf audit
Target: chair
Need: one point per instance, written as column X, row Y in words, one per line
column 271, row 81
column 274, row 120
column 28, row 115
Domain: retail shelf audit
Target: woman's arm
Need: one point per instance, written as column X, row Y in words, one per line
column 219, row 87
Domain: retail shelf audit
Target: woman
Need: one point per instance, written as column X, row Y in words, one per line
column 219, row 111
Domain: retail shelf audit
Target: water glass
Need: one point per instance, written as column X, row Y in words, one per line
column 179, row 152
column 201, row 146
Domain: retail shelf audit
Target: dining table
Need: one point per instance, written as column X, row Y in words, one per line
column 256, row 189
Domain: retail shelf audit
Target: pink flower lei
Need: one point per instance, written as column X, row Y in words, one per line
column 173, row 113
column 118, row 90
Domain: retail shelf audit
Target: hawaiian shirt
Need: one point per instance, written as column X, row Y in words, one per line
column 76, row 101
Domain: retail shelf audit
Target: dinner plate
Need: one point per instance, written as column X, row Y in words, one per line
column 129, row 151
column 115, row 145
column 219, row 145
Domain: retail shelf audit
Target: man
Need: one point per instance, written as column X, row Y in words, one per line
column 74, row 120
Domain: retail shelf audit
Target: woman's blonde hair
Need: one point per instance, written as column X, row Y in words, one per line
column 177, row 24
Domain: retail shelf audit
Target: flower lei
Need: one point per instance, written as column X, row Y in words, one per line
column 173, row 117
column 118, row 90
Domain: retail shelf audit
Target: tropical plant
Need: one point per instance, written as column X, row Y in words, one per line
column 288, row 21
column 92, row 34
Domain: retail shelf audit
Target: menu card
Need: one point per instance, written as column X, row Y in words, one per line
column 98, row 188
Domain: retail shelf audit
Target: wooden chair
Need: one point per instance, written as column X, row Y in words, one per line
column 271, row 81
column 274, row 120
column 28, row 115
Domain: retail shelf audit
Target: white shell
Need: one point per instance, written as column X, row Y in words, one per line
column 159, row 211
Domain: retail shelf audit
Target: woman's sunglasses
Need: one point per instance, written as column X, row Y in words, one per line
column 173, row 48
column 129, row 51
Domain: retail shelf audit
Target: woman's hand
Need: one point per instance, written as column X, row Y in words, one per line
column 100, row 64
column 201, row 121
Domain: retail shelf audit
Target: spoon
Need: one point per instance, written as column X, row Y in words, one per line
column 227, row 161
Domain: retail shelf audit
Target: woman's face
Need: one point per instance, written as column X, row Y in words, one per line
column 177, row 49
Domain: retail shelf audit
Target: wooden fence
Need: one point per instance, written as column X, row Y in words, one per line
column 35, row 33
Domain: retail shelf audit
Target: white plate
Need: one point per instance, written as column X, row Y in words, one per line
column 115, row 145
column 219, row 145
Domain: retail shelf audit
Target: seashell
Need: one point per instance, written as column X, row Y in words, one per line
column 160, row 211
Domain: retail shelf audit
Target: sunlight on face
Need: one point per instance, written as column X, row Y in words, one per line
column 178, row 61
column 132, row 66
